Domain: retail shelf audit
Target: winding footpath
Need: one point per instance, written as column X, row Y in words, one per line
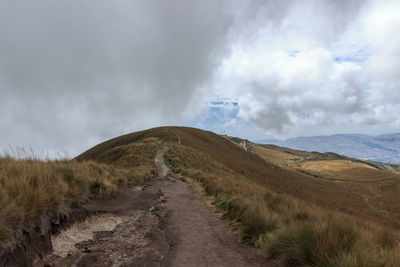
column 164, row 223
column 197, row 237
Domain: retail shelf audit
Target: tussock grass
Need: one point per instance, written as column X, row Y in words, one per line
column 256, row 223
column 314, row 243
column 283, row 227
column 30, row 187
column 386, row 239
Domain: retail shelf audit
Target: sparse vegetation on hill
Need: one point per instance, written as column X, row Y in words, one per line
column 135, row 158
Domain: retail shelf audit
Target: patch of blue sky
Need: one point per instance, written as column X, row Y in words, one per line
column 350, row 58
column 222, row 112
column 223, row 102
column 221, row 115
column 294, row 53
column 351, row 52
column 215, row 115
column 305, row 115
column 217, row 102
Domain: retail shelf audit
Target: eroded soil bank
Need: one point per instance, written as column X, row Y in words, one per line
column 125, row 231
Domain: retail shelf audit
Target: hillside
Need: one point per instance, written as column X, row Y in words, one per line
column 382, row 148
column 328, row 179
column 376, row 183
column 355, row 189
column 295, row 207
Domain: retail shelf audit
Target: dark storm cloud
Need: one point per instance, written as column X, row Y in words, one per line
column 74, row 72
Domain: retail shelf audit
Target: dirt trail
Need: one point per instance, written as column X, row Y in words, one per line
column 165, row 223
column 197, row 237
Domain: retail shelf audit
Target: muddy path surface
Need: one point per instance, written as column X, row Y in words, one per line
column 164, row 223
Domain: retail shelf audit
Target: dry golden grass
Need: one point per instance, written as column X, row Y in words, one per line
column 274, row 156
column 32, row 187
column 342, row 170
column 334, row 165
column 29, row 188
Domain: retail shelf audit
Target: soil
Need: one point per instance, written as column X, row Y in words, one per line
column 195, row 233
column 166, row 222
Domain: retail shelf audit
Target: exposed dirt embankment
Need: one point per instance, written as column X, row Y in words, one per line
column 103, row 233
column 98, row 219
column 125, row 231
column 36, row 239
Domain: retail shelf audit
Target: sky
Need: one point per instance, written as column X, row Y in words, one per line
column 75, row 73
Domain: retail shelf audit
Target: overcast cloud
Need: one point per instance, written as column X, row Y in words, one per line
column 315, row 63
column 74, row 73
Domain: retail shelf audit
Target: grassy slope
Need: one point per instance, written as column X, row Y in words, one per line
column 265, row 173
column 375, row 183
column 280, row 180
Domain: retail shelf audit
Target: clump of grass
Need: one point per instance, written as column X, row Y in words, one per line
column 167, row 162
column 301, row 216
column 256, row 224
column 313, row 243
column 386, row 239
column 4, row 228
column 184, row 179
column 232, row 206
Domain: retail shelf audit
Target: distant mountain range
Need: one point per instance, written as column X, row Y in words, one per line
column 381, row 148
